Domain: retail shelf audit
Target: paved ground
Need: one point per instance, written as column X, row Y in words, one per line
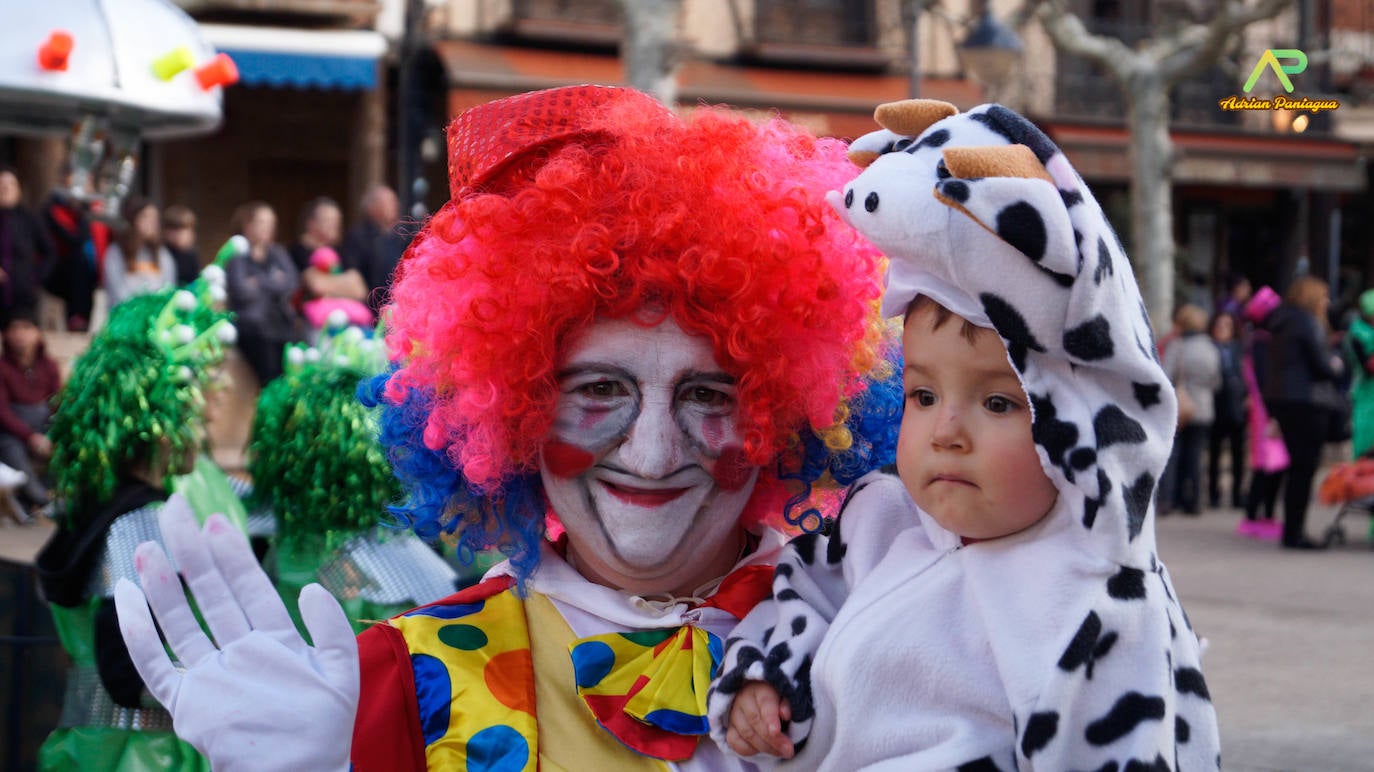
column 1290, row 657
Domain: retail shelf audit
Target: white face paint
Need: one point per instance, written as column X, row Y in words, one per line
column 644, row 462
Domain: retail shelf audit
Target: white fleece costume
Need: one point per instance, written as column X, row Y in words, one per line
column 1062, row 647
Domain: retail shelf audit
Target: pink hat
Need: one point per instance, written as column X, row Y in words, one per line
column 1264, row 301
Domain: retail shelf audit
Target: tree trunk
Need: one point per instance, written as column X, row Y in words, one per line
column 1152, row 201
column 649, row 49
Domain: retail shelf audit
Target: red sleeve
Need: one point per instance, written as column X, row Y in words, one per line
column 9, row 422
column 386, row 733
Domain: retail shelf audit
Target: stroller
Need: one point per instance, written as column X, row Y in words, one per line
column 1350, row 484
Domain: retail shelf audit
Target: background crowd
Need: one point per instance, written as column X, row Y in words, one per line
column 1266, row 382
column 283, row 285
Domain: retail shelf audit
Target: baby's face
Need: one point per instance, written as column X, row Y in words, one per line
column 965, row 451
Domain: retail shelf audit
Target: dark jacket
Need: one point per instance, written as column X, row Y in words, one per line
column 1300, row 366
column 260, row 294
column 26, row 256
column 374, row 253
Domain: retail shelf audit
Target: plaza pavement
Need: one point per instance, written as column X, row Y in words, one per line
column 1290, row 639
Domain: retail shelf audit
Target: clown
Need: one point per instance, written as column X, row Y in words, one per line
column 619, row 350
column 128, row 430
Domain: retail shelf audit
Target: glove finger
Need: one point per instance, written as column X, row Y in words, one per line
column 335, row 646
column 252, row 589
column 163, row 590
column 184, row 540
column 145, row 645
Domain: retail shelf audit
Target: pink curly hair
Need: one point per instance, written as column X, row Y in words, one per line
column 714, row 221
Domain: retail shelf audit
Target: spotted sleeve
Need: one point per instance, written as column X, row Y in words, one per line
column 777, row 642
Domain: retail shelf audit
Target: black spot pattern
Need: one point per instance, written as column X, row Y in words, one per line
column 1158, row 765
column 798, row 625
column 1087, row 647
column 1091, row 340
column 1021, row 226
column 1071, row 198
column 1017, row 130
column 805, row 547
column 786, row 594
column 1131, row 710
column 1055, row 436
column 1104, row 261
column 954, row 190
column 1181, row 730
column 783, row 570
column 985, row 764
column 1146, row 394
column 1012, row 327
column 1137, row 496
column 935, row 138
column 1189, row 680
column 1128, row 584
column 899, row 145
column 942, row 171
column 1082, row 458
column 1111, row 425
column 1040, row 729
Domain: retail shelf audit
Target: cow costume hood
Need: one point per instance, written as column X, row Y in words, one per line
column 984, row 214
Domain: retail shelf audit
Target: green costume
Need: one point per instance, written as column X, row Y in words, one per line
column 316, row 463
column 1361, row 345
column 133, row 408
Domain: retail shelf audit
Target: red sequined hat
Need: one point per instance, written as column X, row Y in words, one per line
column 490, row 139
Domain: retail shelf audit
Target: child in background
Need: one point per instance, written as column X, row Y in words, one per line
column 1268, row 454
column 29, row 379
column 1015, row 616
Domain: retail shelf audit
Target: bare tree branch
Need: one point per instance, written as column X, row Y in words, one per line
column 1069, row 36
column 1197, row 46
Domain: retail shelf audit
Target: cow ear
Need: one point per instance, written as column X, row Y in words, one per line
column 972, row 163
column 862, row 158
column 910, row 117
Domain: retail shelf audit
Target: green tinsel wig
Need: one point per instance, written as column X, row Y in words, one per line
column 137, row 394
column 314, row 456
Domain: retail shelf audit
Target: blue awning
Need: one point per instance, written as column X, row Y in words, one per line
column 280, row 69
column 284, row 57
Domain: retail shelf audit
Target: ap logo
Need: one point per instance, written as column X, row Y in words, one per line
column 1270, row 59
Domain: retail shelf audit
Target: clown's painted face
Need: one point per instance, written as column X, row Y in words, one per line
column 643, row 465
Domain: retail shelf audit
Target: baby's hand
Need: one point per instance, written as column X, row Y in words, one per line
column 756, row 722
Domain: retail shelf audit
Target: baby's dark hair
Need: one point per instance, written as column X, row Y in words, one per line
column 969, row 330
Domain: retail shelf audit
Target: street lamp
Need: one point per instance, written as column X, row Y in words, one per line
column 989, row 51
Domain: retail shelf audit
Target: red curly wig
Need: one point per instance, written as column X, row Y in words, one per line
column 614, row 207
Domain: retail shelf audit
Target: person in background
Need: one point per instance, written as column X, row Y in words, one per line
column 137, row 263
column 374, row 246
column 1238, row 292
column 1194, row 367
column 1299, row 388
column 80, row 242
column 1228, row 424
column 129, row 422
column 1268, row 454
column 1359, row 342
column 29, row 379
column 317, row 466
column 261, row 284
column 321, row 226
column 179, row 238
column 26, row 252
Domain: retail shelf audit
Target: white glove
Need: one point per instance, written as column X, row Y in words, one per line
column 257, row 698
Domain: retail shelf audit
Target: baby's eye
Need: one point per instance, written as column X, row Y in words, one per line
column 922, row 397
column 602, row 390
column 999, row 405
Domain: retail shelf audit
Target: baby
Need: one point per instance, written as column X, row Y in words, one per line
column 1015, row 616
